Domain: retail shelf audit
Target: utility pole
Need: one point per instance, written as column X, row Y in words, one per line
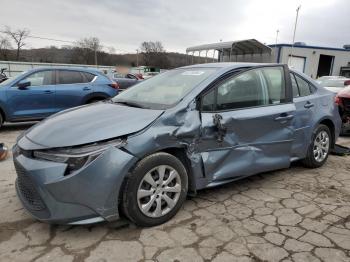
column 137, row 58
column 276, row 44
column 277, row 35
column 295, row 29
column 95, row 56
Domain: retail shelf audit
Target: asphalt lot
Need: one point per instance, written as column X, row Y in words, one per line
column 295, row 214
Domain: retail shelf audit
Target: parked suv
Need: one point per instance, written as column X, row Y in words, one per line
column 190, row 128
column 40, row 92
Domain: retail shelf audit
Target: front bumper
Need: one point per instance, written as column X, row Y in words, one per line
column 86, row 196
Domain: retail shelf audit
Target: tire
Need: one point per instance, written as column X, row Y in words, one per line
column 94, row 100
column 1, row 120
column 146, row 172
column 315, row 160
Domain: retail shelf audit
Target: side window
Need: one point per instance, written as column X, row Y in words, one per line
column 40, row 78
column 274, row 77
column 69, row 77
column 119, row 75
column 294, row 86
column 88, row 77
column 313, row 89
column 256, row 87
column 244, row 90
column 130, row 76
column 208, row 101
column 304, row 87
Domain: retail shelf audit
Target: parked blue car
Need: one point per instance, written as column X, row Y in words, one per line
column 140, row 153
column 38, row 93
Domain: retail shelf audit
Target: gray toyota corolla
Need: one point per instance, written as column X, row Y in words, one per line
column 139, row 154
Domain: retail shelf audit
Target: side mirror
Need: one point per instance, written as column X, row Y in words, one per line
column 23, row 84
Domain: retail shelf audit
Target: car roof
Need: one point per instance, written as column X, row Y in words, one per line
column 82, row 69
column 228, row 65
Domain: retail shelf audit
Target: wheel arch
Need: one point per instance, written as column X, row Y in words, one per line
column 179, row 153
column 95, row 96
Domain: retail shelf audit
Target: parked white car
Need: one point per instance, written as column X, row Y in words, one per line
column 333, row 83
column 150, row 74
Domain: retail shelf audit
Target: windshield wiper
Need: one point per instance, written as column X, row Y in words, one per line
column 129, row 103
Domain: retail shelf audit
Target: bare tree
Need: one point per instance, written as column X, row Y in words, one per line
column 5, row 46
column 18, row 36
column 89, row 46
column 153, row 54
column 111, row 50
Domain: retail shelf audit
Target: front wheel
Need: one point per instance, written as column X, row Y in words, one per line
column 319, row 148
column 155, row 190
column 94, row 100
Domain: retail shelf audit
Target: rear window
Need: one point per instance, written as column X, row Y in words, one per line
column 294, row 86
column 304, row 87
column 70, row 77
column 88, row 77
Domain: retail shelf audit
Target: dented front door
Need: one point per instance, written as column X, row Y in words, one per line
column 243, row 141
column 254, row 142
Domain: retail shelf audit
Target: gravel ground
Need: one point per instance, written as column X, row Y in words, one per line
column 295, row 214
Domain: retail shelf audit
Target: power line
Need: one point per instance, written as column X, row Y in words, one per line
column 57, row 40
column 43, row 38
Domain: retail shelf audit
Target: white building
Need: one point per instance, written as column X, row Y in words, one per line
column 314, row 61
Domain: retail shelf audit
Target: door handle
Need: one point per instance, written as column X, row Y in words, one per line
column 48, row 92
column 86, row 88
column 309, row 104
column 284, row 117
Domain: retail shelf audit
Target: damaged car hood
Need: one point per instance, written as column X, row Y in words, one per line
column 87, row 124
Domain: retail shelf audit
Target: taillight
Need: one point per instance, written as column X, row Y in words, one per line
column 347, row 83
column 337, row 100
column 114, row 85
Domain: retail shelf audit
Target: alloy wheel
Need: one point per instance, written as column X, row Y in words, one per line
column 159, row 191
column 321, row 146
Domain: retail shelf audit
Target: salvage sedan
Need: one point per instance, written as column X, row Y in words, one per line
column 139, row 154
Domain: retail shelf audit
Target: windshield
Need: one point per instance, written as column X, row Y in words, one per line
column 332, row 82
column 10, row 79
column 6, row 82
column 164, row 90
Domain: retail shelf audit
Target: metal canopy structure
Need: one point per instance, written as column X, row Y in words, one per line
column 232, row 48
column 250, row 46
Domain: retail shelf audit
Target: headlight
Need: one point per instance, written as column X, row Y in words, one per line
column 77, row 157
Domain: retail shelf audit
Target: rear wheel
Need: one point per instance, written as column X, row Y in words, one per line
column 155, row 190
column 319, row 148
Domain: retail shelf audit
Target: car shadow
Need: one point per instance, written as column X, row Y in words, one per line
column 17, row 126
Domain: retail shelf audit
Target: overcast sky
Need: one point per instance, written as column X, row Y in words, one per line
column 124, row 24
